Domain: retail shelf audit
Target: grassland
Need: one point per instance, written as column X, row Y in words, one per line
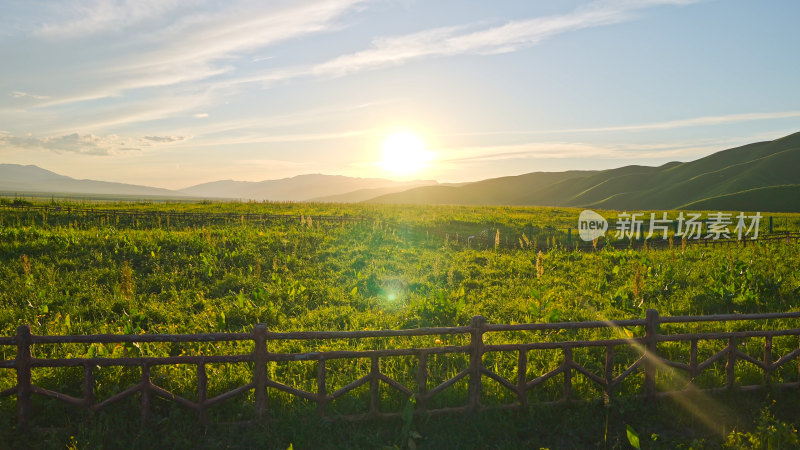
column 402, row 267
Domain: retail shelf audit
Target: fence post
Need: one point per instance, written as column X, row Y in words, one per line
column 23, row 363
column 651, row 339
column 422, row 381
column 322, row 391
column 145, row 392
column 260, row 368
column 476, row 361
column 730, row 365
column 88, row 386
column 374, row 386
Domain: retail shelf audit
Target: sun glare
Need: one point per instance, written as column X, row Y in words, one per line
column 404, row 154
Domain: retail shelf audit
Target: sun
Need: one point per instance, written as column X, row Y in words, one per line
column 404, row 154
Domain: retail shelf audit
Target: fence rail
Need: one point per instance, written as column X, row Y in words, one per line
column 194, row 215
column 648, row 360
column 568, row 239
column 483, row 238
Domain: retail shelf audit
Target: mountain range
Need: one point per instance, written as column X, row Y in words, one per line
column 33, row 180
column 314, row 187
column 762, row 176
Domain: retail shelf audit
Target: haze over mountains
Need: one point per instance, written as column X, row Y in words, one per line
column 33, row 179
column 21, row 179
column 300, row 188
column 763, row 176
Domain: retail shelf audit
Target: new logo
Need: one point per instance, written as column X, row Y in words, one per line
column 591, row 225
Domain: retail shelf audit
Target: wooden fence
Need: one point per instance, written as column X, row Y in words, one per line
column 197, row 216
column 649, row 360
column 483, row 238
column 571, row 242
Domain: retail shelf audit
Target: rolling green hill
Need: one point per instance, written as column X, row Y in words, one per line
column 759, row 176
column 772, row 198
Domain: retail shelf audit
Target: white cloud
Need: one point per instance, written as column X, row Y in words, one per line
column 197, row 46
column 88, row 144
column 570, row 150
column 164, row 139
column 450, row 41
column 124, row 112
column 79, row 19
column 20, row 94
column 663, row 125
column 693, row 122
column 260, row 138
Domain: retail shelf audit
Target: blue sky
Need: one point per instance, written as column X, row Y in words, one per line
column 175, row 93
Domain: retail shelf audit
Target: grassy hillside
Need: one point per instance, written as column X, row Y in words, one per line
column 499, row 191
column 773, row 198
column 725, row 174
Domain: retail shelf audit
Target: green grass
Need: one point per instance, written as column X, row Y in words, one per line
column 84, row 274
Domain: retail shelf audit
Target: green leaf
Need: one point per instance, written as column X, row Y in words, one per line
column 354, row 291
column 633, row 436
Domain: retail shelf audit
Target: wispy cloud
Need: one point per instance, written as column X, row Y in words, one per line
column 199, row 44
column 79, row 19
column 264, row 125
column 118, row 113
column 164, row 139
column 573, row 150
column 461, row 40
column 20, row 94
column 260, row 138
column 88, row 144
column 693, row 122
column 648, row 126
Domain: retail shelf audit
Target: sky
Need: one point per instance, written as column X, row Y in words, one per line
column 174, row 93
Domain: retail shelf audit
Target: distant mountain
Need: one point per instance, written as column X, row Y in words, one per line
column 313, row 187
column 763, row 176
column 494, row 191
column 760, row 176
column 361, row 195
column 33, row 179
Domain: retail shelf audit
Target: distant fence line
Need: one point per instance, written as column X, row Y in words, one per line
column 193, row 215
column 648, row 360
column 567, row 239
column 485, row 237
